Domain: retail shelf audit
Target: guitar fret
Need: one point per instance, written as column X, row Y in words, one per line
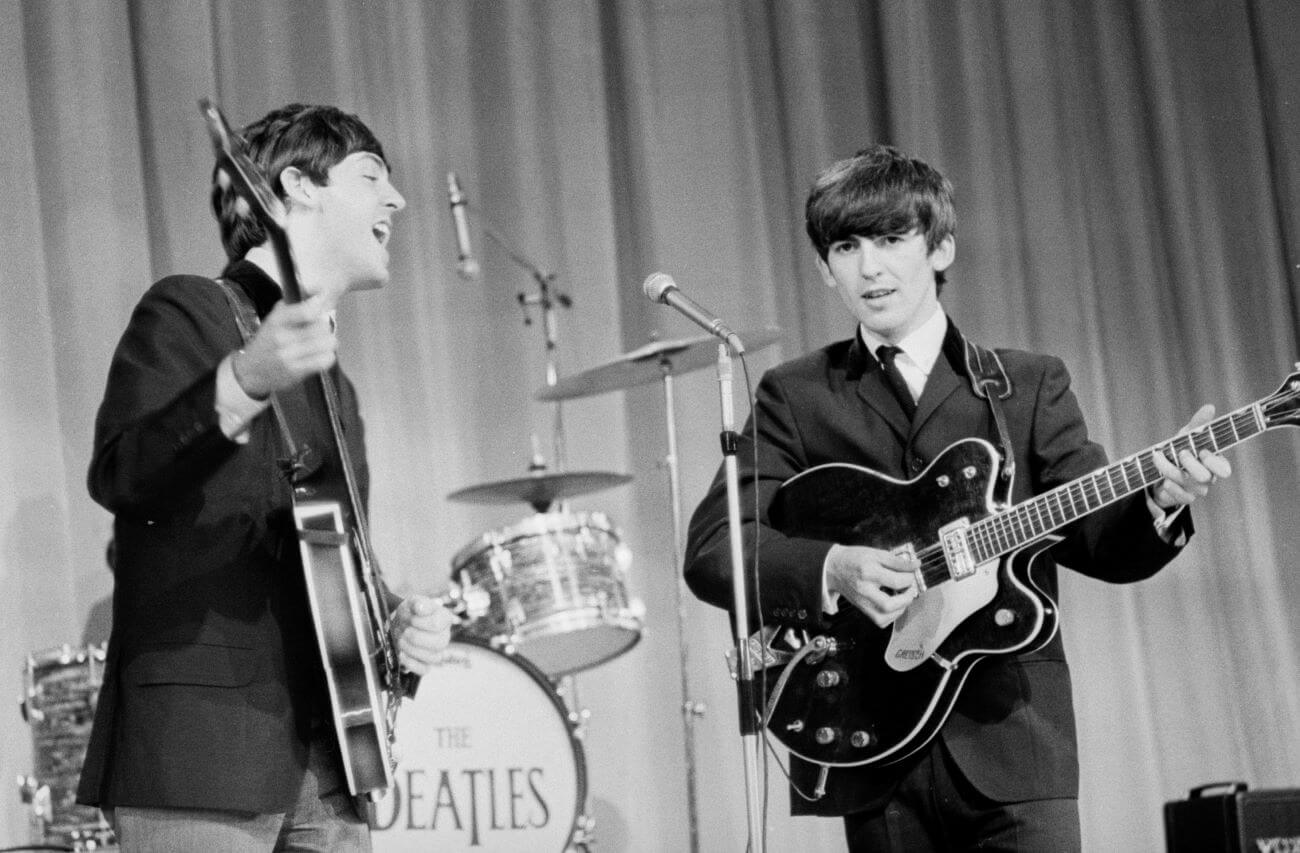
column 1037, row 509
column 1105, row 494
column 1134, row 464
column 1002, row 533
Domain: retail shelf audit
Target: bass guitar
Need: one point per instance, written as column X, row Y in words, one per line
column 348, row 606
column 861, row 695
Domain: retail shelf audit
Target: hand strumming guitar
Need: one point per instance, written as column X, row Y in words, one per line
column 421, row 629
column 878, row 583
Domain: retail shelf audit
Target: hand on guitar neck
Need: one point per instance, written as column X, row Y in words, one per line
column 293, row 342
column 1191, row 476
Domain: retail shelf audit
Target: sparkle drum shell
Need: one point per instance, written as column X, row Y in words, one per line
column 61, row 687
column 556, row 584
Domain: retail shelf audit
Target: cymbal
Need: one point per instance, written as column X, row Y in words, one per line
column 540, row 490
column 649, row 364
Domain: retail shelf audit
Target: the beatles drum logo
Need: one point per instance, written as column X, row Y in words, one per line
column 486, row 761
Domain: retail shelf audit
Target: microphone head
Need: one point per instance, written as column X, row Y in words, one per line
column 657, row 285
column 467, row 268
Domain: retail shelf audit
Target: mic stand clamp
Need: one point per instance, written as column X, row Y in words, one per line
column 749, row 718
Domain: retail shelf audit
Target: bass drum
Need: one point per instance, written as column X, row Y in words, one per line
column 488, row 759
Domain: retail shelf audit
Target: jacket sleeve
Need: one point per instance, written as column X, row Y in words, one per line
column 1118, row 543
column 786, row 582
column 157, row 431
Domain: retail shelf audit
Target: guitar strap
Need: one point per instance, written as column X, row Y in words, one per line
column 247, row 320
column 990, row 382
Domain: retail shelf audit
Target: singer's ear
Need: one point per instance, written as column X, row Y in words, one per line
column 298, row 188
column 825, row 270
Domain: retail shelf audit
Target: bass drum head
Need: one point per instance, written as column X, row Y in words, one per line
column 487, row 760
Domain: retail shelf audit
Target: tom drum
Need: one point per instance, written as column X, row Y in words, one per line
column 556, row 585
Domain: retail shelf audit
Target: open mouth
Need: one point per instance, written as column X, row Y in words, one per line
column 879, row 293
column 381, row 230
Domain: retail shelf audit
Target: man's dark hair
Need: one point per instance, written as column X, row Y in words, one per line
column 312, row 138
column 876, row 192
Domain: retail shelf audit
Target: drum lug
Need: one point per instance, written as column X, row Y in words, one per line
column 584, row 835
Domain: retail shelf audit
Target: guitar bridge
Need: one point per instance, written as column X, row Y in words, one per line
column 956, row 549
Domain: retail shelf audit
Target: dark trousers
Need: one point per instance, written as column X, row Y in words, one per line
column 936, row 809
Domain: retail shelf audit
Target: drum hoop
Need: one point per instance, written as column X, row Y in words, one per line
column 67, row 655
column 570, row 727
column 536, row 525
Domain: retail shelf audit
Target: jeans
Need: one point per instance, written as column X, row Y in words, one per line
column 322, row 820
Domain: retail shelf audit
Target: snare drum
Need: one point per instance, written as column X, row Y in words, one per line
column 556, row 584
column 488, row 759
column 61, row 687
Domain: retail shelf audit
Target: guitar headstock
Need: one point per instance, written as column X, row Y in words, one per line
column 248, row 180
column 1282, row 407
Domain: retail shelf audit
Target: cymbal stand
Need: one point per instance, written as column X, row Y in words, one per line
column 546, row 298
column 690, row 708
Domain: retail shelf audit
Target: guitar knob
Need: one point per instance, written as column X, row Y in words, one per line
column 828, row 678
column 861, row 739
column 827, row 735
column 1003, row 617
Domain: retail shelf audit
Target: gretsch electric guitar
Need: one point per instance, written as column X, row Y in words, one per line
column 861, row 695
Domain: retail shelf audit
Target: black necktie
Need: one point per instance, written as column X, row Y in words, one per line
column 894, row 377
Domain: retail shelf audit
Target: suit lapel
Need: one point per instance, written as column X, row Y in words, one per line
column 939, row 386
column 873, row 390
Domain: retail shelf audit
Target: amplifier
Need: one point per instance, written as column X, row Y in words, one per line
column 1224, row 817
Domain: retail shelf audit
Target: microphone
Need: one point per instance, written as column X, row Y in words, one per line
column 466, row 267
column 660, row 287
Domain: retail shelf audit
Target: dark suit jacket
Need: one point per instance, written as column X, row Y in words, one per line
column 1012, row 730
column 212, row 679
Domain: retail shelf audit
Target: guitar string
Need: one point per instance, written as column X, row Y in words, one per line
column 1001, row 533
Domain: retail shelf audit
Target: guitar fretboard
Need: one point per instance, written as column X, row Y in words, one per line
column 1027, row 522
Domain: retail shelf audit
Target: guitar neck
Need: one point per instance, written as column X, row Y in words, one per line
column 1033, row 519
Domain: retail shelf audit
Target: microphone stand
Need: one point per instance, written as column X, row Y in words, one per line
column 749, row 728
column 547, row 302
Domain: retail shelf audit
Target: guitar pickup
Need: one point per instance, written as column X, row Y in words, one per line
column 956, row 549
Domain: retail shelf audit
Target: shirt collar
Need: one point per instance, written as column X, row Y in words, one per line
column 922, row 346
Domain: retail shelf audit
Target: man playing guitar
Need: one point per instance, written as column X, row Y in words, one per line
column 995, row 767
column 213, row 726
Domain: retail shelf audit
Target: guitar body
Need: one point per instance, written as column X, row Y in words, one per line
column 878, row 695
column 352, row 658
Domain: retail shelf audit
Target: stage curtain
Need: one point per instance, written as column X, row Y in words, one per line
column 1127, row 175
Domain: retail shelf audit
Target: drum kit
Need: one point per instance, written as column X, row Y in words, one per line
column 502, row 734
